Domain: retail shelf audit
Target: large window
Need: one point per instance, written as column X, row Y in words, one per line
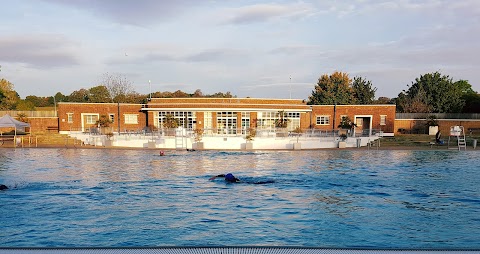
column 293, row 120
column 131, row 118
column 323, row 120
column 208, row 122
column 227, row 122
column 245, row 122
column 266, row 120
column 186, row 119
column 91, row 119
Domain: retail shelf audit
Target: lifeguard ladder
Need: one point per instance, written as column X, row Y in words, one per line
column 180, row 138
column 458, row 133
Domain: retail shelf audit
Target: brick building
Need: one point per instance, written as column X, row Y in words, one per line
column 224, row 115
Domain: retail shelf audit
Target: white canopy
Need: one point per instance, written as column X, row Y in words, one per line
column 8, row 121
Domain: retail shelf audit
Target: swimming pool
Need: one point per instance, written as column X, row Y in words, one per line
column 325, row 198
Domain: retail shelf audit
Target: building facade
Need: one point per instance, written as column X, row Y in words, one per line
column 224, row 115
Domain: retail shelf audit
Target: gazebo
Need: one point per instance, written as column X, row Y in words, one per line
column 9, row 122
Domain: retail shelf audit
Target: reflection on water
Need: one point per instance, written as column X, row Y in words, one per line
column 327, row 198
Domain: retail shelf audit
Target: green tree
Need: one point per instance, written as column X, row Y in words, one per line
column 332, row 89
column 415, row 104
column 99, row 94
column 437, row 91
column 25, row 105
column 363, row 91
column 471, row 98
column 170, row 122
column 79, row 96
column 59, row 97
column 37, row 101
column 8, row 96
column 104, row 121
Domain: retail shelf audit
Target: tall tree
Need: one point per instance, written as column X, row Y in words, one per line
column 333, row 89
column 117, row 85
column 79, row 96
column 471, row 98
column 363, row 91
column 99, row 94
column 437, row 91
column 8, row 96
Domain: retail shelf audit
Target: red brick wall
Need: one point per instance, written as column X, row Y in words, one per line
column 375, row 111
column 40, row 124
column 419, row 126
column 102, row 109
column 306, row 118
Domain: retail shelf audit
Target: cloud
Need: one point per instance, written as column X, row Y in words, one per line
column 139, row 13
column 267, row 12
column 219, row 54
column 38, row 51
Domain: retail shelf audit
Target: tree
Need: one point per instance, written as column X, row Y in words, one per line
column 170, row 122
column 333, row 89
column 37, row 101
column 8, row 96
column 416, row 104
column 98, row 94
column 104, row 121
column 384, row 100
column 471, row 98
column 25, row 105
column 58, row 98
column 363, row 91
column 435, row 90
column 118, row 86
column 79, row 96
column 197, row 94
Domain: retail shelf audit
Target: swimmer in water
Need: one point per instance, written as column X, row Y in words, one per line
column 228, row 177
column 232, row 179
column 3, row 187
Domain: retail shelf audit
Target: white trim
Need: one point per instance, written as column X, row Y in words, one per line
column 226, row 109
column 370, row 125
column 82, row 115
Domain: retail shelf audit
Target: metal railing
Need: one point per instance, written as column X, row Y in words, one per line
column 14, row 113
column 399, row 116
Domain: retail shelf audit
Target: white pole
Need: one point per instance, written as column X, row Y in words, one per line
column 290, row 86
column 150, row 89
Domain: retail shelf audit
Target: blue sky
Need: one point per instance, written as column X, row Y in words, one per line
column 268, row 49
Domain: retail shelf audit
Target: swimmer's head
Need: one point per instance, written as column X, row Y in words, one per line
column 230, row 178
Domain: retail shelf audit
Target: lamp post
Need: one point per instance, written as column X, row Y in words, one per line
column 290, row 88
column 150, row 90
column 55, row 105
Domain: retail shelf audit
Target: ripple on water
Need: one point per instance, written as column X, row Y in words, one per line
column 348, row 198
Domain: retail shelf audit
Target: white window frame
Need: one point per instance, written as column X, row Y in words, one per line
column 69, row 117
column 91, row 119
column 383, row 119
column 131, row 118
column 326, row 120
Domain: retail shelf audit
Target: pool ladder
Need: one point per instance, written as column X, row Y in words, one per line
column 461, row 143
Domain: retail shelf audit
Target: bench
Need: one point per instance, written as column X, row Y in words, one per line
column 52, row 128
column 472, row 130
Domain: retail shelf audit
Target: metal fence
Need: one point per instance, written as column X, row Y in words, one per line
column 14, row 113
column 437, row 115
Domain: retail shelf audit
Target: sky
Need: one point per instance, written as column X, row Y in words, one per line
column 250, row 48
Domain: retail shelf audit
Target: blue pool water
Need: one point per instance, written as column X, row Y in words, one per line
column 327, row 198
